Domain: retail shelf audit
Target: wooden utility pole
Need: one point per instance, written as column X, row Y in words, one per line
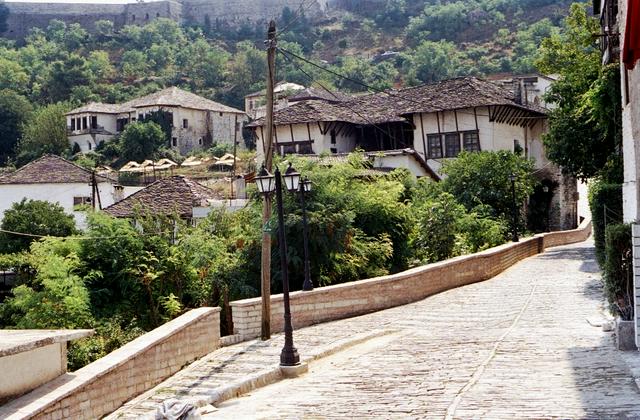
column 268, row 163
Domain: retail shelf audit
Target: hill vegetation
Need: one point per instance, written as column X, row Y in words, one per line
column 429, row 40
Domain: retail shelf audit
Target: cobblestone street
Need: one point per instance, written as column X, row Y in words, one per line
column 516, row 346
column 525, row 344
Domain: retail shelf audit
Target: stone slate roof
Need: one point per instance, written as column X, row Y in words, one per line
column 393, row 105
column 171, row 96
column 308, row 94
column 172, row 195
column 50, row 169
column 458, row 93
column 364, row 110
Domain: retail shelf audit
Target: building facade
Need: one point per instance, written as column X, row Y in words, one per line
column 437, row 121
column 196, row 122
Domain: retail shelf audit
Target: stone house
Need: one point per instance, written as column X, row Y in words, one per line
column 437, row 121
column 196, row 122
column 254, row 103
column 174, row 195
column 54, row 179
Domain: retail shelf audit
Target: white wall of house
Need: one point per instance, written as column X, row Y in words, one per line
column 62, row 194
column 322, row 143
column 493, row 136
column 630, row 132
column 221, row 126
column 400, row 161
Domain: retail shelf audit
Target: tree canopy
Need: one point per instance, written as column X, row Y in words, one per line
column 585, row 129
column 33, row 217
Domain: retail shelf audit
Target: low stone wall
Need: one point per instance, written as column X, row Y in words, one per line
column 360, row 297
column 100, row 387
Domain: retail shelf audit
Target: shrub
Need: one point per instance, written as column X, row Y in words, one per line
column 605, row 203
column 34, row 217
column 618, row 270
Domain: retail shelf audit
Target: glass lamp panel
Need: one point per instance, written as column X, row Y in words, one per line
column 292, row 179
column 265, row 181
column 306, row 185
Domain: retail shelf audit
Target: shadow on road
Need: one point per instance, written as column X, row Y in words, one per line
column 585, row 253
column 604, row 382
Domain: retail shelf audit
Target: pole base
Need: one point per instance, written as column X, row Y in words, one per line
column 294, row 371
column 289, row 357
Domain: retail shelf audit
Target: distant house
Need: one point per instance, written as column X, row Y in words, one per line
column 196, row 122
column 174, row 195
column 52, row 178
column 437, row 121
column 254, row 103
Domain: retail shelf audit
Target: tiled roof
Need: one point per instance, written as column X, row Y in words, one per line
column 318, row 94
column 174, row 96
column 97, row 107
column 458, row 93
column 171, row 96
column 167, row 196
column 390, row 106
column 365, row 110
column 50, row 169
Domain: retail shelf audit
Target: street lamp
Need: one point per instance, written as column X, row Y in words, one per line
column 514, row 237
column 289, row 355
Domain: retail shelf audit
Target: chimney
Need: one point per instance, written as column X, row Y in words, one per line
column 118, row 193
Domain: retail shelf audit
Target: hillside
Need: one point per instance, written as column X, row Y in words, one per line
column 426, row 40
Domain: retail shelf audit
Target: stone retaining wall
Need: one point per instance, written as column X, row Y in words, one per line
column 104, row 385
column 364, row 296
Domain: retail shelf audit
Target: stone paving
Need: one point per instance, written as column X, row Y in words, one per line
column 516, row 346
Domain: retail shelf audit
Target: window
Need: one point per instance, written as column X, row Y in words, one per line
column 78, row 201
column 517, row 149
column 471, row 141
column 221, row 114
column 452, row 144
column 185, row 123
column 94, row 122
column 174, row 142
column 200, row 141
column 146, row 16
column 435, row 146
column 288, row 149
column 157, row 15
column 73, row 124
column 333, row 150
column 305, row 149
column 133, row 18
column 84, row 123
column 333, row 136
column 89, row 145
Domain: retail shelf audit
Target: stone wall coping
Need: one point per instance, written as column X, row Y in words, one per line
column 18, row 341
column 67, row 384
column 412, row 271
column 387, row 278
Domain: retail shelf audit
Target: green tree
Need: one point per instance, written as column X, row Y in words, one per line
column 432, row 61
column 482, row 179
column 15, row 109
column 44, row 132
column 585, row 128
column 140, row 140
column 33, row 217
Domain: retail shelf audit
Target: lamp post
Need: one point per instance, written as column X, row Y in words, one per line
column 289, row 355
column 305, row 188
column 514, row 237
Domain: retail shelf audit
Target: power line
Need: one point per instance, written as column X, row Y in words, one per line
column 78, row 238
column 339, row 103
column 298, row 14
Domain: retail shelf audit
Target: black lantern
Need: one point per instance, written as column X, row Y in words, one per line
column 291, row 179
column 265, row 182
column 514, row 236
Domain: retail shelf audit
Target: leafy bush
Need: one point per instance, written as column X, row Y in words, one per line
column 33, row 217
column 618, row 270
column 482, row 178
column 605, row 203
